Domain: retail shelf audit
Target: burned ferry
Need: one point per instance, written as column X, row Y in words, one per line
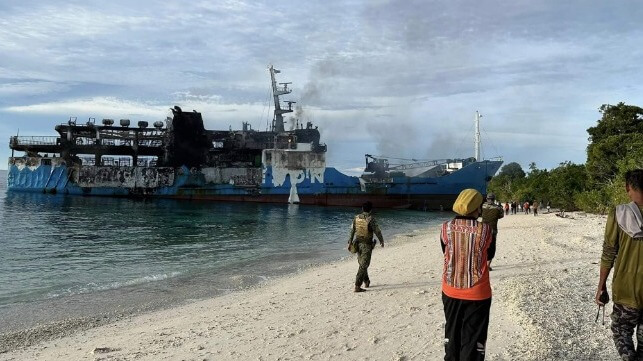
column 179, row 158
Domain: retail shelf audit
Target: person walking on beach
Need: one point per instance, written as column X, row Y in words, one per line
column 466, row 291
column 362, row 230
column 506, row 208
column 623, row 251
column 490, row 215
column 535, row 207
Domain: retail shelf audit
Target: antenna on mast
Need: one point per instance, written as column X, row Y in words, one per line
column 477, row 137
column 278, row 120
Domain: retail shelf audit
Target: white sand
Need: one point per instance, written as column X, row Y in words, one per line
column 544, row 278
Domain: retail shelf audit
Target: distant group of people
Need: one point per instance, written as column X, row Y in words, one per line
column 469, row 246
column 514, row 207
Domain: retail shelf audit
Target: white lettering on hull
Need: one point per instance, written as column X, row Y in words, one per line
column 295, row 165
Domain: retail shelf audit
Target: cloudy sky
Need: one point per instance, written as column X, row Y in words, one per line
column 395, row 78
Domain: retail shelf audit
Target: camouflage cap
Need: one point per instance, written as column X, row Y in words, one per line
column 468, row 201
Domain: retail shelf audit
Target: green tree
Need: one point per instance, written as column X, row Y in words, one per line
column 503, row 187
column 512, row 170
column 536, row 184
column 511, row 184
column 617, row 119
column 617, row 134
column 566, row 182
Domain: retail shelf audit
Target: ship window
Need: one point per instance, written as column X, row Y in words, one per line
column 87, row 160
column 147, row 161
column 124, row 162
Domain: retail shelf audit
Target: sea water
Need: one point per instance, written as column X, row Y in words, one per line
column 81, row 259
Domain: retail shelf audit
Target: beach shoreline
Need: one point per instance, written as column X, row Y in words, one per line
column 43, row 330
column 81, row 265
column 543, row 284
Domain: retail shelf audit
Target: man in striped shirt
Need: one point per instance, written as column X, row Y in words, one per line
column 466, row 291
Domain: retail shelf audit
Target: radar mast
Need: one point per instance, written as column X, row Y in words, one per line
column 278, row 90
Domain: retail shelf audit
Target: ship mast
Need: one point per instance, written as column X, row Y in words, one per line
column 278, row 119
column 477, row 137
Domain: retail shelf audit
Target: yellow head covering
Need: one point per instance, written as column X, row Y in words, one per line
column 468, row 201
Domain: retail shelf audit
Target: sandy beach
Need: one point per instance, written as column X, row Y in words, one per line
column 544, row 278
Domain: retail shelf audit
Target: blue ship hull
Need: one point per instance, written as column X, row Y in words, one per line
column 323, row 186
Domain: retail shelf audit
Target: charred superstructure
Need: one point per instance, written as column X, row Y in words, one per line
column 180, row 158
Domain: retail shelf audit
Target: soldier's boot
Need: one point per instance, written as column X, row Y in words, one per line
column 367, row 283
column 359, row 289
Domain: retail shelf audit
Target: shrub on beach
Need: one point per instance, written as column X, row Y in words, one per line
column 593, row 201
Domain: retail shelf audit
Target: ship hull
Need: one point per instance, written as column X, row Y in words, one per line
column 320, row 186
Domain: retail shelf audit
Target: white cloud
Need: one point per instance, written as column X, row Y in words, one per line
column 30, row 88
column 51, row 25
column 105, row 106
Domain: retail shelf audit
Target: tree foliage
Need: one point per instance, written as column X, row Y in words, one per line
column 557, row 187
column 512, row 170
column 617, row 119
column 616, row 146
column 618, row 133
column 567, row 181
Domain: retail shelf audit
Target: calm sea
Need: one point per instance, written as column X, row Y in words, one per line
column 83, row 259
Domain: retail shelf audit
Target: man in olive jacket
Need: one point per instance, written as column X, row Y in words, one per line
column 623, row 251
column 491, row 213
column 362, row 229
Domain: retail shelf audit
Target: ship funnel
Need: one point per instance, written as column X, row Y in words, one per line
column 124, row 122
column 108, row 122
column 158, row 124
column 142, row 124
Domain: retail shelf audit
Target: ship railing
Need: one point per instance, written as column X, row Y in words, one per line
column 150, row 143
column 86, row 141
column 124, row 142
column 26, row 140
column 156, row 143
column 119, row 162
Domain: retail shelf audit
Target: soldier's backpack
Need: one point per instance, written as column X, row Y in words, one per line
column 363, row 227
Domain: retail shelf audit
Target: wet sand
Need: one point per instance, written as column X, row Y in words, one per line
column 544, row 278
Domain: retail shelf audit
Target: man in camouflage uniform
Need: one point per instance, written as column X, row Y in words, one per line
column 491, row 213
column 623, row 251
column 362, row 229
